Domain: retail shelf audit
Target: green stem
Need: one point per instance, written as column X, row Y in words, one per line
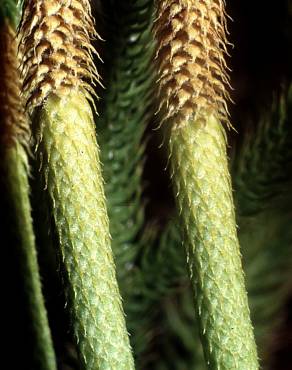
column 204, row 198
column 17, row 185
column 17, row 226
column 69, row 158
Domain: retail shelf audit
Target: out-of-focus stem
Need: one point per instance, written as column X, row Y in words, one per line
column 14, row 172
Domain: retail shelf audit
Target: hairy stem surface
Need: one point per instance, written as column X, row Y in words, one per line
column 204, row 199
column 69, row 156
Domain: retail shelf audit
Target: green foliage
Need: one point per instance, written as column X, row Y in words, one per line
column 262, row 176
column 261, row 166
column 166, row 300
column 125, row 110
column 10, row 11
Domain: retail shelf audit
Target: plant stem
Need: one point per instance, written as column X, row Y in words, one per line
column 193, row 81
column 204, row 199
column 14, row 171
column 17, row 184
column 69, row 156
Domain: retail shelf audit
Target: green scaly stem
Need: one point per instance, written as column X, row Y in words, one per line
column 258, row 215
column 204, row 198
column 69, row 158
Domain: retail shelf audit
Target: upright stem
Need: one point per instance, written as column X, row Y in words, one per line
column 14, row 172
column 16, row 168
column 59, row 73
column 69, row 158
column 204, row 199
column 193, row 81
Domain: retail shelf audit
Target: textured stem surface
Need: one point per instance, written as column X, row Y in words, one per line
column 69, row 156
column 204, row 198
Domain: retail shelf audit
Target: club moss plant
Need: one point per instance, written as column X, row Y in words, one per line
column 101, row 237
column 56, row 68
column 191, row 38
column 14, row 168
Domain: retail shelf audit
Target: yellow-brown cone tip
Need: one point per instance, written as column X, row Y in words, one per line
column 191, row 38
column 55, row 42
column 12, row 117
